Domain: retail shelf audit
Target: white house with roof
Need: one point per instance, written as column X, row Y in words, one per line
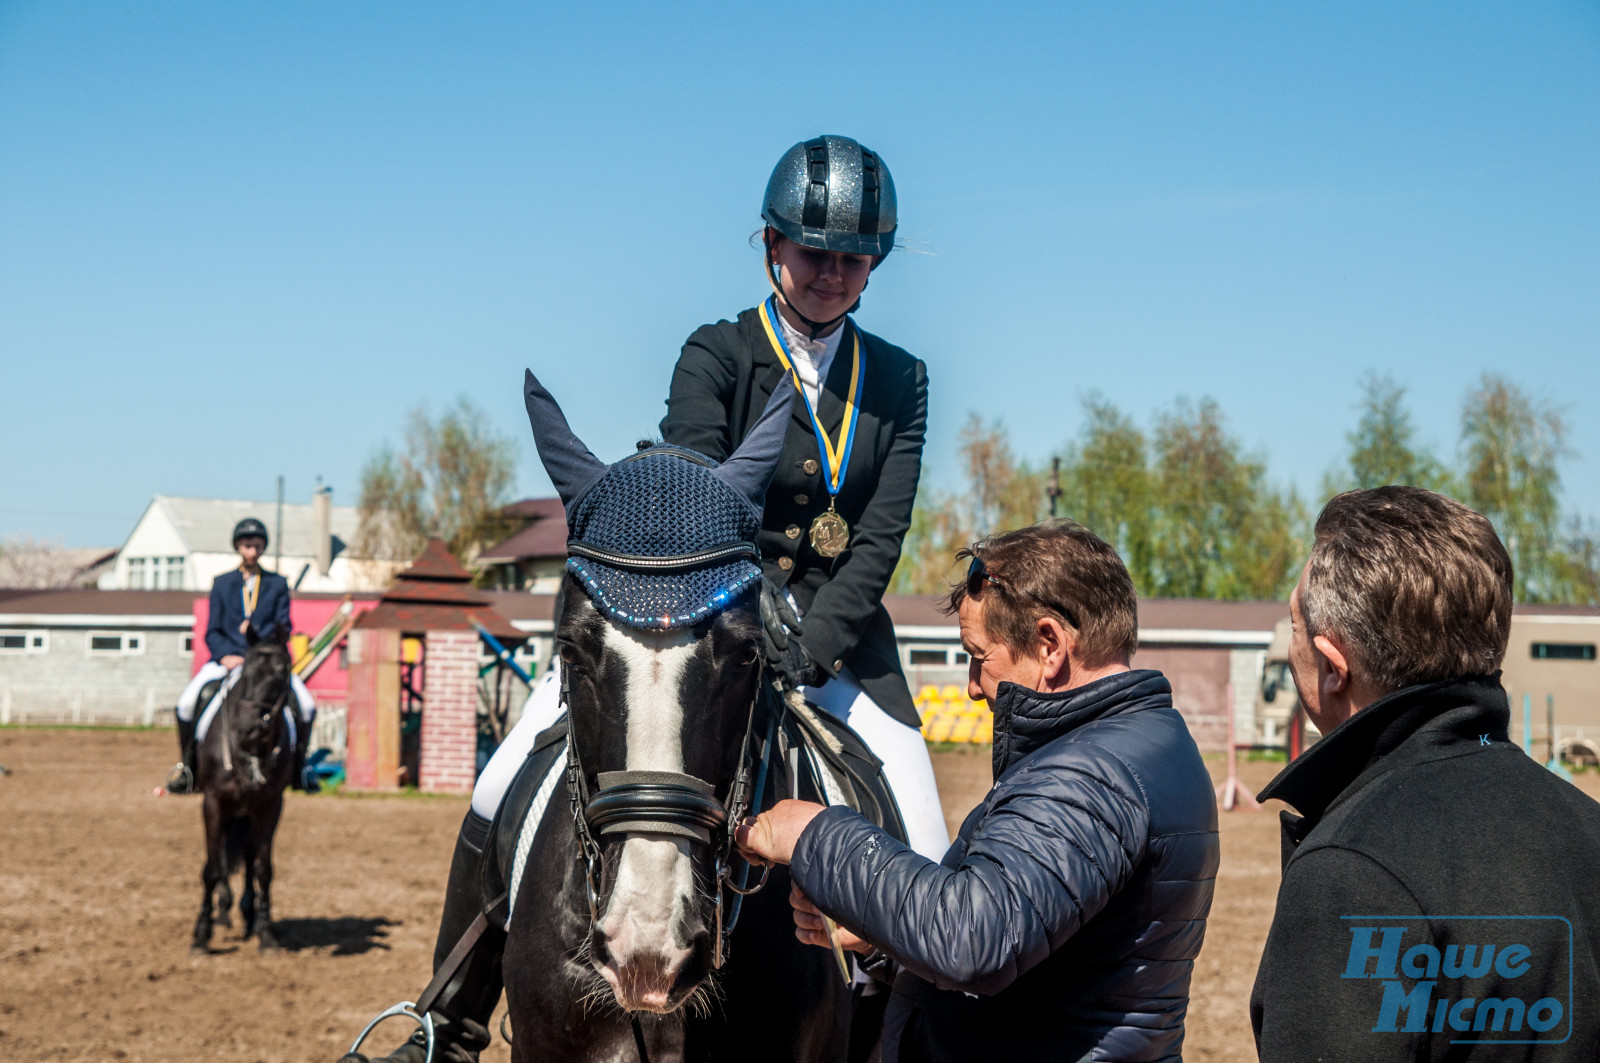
column 185, row 543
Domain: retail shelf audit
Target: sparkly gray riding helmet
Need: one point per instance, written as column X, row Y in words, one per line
column 831, row 193
column 664, row 538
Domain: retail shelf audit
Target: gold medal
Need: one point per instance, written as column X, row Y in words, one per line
column 830, row 535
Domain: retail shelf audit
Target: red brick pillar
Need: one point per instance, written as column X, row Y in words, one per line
column 449, row 711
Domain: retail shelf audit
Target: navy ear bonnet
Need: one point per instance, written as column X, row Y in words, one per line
column 665, row 538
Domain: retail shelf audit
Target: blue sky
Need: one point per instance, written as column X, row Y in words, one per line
column 241, row 240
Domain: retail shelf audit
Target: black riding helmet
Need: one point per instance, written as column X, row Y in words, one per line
column 830, row 194
column 247, row 528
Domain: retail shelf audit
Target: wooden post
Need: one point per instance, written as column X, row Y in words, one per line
column 372, row 752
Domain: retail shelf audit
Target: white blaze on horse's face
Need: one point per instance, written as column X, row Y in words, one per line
column 654, row 886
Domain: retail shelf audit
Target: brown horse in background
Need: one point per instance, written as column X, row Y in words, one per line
column 245, row 761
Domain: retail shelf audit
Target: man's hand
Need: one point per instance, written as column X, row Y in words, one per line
column 808, row 926
column 770, row 838
column 231, row 661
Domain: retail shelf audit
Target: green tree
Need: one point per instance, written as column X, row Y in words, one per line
column 1106, row 485
column 1383, row 447
column 1511, row 445
column 1190, row 513
column 1221, row 530
column 1000, row 493
column 450, row 482
column 1577, row 564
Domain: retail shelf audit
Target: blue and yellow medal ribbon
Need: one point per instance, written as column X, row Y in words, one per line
column 251, row 591
column 837, row 457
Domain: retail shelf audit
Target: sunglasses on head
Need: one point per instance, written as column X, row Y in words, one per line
column 978, row 574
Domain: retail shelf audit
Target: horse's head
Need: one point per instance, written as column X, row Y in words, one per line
column 661, row 663
column 263, row 688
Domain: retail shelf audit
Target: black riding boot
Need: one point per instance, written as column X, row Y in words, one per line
column 462, row 1012
column 181, row 781
column 302, row 743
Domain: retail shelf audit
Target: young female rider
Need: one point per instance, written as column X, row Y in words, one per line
column 835, row 515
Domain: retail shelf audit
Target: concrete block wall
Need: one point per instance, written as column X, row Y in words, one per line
column 449, row 712
column 68, row 684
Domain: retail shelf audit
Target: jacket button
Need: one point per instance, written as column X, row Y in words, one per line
column 810, row 466
column 792, row 531
column 802, row 499
column 786, row 563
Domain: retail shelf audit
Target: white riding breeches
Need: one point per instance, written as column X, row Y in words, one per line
column 904, row 754
column 212, row 670
column 906, row 764
column 540, row 711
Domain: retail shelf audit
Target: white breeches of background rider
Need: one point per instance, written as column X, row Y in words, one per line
column 212, row 670
column 904, row 754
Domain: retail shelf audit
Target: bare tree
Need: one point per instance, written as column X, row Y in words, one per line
column 449, row 482
column 28, row 563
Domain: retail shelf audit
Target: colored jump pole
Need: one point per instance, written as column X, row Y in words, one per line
column 501, row 652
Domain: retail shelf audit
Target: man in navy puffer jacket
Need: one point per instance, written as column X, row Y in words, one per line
column 1064, row 921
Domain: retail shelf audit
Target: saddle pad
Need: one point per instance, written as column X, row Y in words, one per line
column 215, row 706
column 522, row 812
column 215, row 703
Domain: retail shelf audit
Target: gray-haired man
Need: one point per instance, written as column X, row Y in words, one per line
column 1439, row 895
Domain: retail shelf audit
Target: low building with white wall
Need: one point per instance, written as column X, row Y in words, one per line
column 185, row 543
column 87, row 656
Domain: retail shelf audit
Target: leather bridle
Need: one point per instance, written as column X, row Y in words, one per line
column 230, row 738
column 671, row 803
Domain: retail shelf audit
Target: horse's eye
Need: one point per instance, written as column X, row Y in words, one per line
column 568, row 654
column 749, row 655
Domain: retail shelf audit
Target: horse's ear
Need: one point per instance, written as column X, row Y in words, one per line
column 749, row 469
column 282, row 634
column 572, row 467
column 251, row 635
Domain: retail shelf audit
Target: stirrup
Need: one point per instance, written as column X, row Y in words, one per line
column 409, row 1010
column 180, row 780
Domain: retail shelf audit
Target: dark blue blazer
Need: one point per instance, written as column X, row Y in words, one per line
column 227, row 612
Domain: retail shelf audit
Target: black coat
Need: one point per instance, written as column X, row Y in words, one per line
column 227, row 611
column 1065, row 919
column 1421, row 809
column 722, row 382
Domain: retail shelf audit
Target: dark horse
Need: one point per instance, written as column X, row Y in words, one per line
column 618, row 946
column 245, row 761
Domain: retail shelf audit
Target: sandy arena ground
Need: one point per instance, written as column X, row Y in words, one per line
column 99, row 884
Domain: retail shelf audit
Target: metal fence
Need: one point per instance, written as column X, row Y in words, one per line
column 58, row 704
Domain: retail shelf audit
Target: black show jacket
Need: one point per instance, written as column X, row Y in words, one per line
column 722, row 382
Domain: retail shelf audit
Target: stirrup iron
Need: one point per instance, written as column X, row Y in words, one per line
column 409, row 1010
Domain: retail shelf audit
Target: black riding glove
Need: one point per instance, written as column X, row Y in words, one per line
column 782, row 627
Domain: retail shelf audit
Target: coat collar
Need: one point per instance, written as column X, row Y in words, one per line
column 1025, row 720
column 830, row 394
column 1426, row 722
